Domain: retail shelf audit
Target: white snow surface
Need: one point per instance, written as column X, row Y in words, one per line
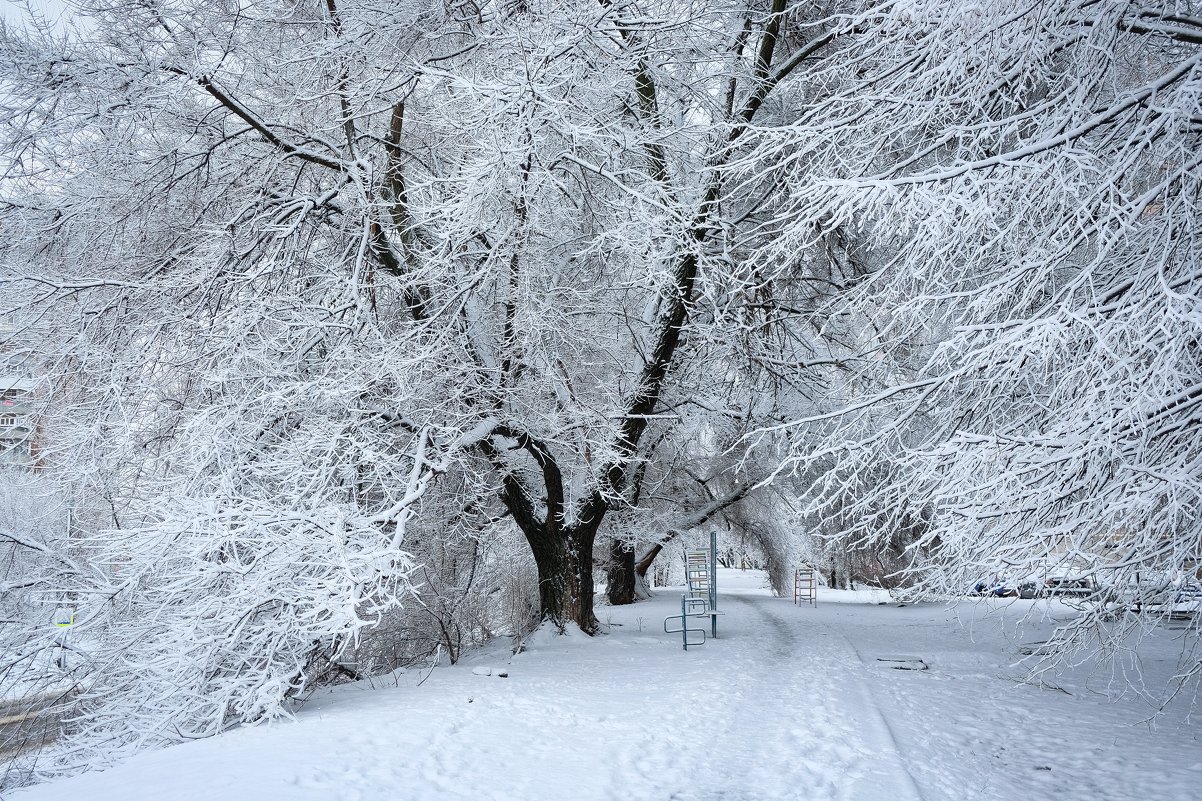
column 788, row 703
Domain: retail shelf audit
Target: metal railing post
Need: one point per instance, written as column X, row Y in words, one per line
column 684, row 622
column 714, row 582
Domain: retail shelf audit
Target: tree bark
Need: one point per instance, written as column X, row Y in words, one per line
column 620, row 574
column 565, row 578
column 644, row 564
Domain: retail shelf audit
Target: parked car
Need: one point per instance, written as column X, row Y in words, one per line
column 1070, row 586
column 1031, row 588
column 1183, row 599
column 996, row 587
column 1154, row 592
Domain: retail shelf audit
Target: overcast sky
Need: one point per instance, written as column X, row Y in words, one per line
column 12, row 11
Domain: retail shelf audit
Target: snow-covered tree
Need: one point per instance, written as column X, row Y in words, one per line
column 1022, row 180
column 287, row 265
column 283, row 264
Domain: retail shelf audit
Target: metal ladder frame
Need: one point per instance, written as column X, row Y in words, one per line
column 701, row 600
column 805, row 586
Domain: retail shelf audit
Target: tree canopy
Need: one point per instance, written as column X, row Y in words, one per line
column 314, row 288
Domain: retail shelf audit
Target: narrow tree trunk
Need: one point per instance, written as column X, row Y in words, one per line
column 620, row 574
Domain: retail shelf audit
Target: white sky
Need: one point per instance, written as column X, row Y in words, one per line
column 13, row 10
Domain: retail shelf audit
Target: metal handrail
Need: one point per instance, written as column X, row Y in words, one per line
column 686, row 605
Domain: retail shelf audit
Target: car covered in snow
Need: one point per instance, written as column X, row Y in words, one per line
column 1078, row 586
column 1033, row 587
column 1156, row 592
column 995, row 587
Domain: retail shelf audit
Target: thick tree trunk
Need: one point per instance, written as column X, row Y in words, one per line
column 565, row 576
column 579, row 568
column 562, row 553
column 620, row 574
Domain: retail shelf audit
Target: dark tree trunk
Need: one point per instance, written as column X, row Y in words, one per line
column 644, row 564
column 620, row 573
column 563, row 551
column 565, row 576
column 579, row 567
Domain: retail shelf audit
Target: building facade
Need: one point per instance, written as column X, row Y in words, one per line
column 17, row 445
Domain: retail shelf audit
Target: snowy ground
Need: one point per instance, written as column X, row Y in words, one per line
column 788, row 703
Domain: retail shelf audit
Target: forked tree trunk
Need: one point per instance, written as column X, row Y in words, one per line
column 563, row 547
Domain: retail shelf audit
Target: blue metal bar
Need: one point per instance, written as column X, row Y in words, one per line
column 714, row 581
column 689, row 607
column 684, row 621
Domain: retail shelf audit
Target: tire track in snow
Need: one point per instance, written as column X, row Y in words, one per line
column 802, row 746
column 882, row 771
column 731, row 728
column 879, row 721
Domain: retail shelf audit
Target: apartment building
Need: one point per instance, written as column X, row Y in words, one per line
column 16, row 428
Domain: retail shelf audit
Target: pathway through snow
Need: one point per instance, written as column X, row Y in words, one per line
column 788, row 703
column 756, row 714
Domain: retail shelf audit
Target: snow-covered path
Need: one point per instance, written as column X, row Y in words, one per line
column 968, row 728
column 788, row 703
column 756, row 714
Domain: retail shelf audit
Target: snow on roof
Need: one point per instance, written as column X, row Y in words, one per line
column 11, row 382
